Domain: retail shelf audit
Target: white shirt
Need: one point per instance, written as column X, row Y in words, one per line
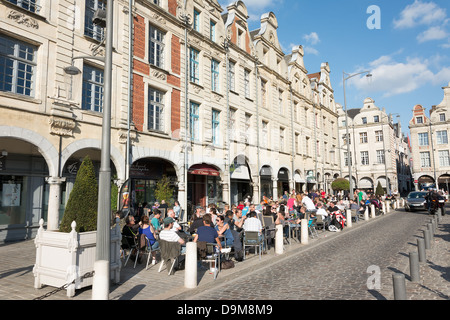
column 169, row 235
column 252, row 224
column 322, row 212
column 308, row 203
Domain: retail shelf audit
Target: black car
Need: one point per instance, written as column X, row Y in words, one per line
column 416, row 201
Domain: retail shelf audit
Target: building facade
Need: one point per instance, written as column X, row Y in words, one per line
column 378, row 149
column 257, row 125
column 429, row 140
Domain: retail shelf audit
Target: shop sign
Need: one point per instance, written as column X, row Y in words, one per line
column 11, row 195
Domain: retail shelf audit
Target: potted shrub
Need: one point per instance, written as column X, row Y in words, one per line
column 68, row 254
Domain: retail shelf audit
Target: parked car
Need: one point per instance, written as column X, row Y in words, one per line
column 416, row 201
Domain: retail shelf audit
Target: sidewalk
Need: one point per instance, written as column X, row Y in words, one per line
column 17, row 280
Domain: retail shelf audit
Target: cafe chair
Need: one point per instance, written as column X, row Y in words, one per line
column 131, row 244
column 212, row 256
column 170, row 253
column 149, row 251
column 252, row 239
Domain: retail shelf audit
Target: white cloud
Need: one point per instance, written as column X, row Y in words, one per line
column 391, row 77
column 312, row 38
column 433, row 33
column 310, row 50
column 420, row 13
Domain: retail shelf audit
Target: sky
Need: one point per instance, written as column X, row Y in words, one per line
column 404, row 43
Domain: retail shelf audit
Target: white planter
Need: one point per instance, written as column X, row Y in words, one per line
column 64, row 257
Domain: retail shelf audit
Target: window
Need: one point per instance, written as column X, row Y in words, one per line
column 263, row 93
column 364, row 120
column 380, row 156
column 215, row 126
column 247, row 83
column 442, row 137
column 363, row 137
column 280, row 102
column 194, row 66
column 344, row 140
column 156, row 2
column 376, row 119
column 346, row 156
column 155, row 110
column 231, row 75
column 379, row 135
column 419, row 120
column 92, row 89
column 195, row 121
column 423, row 139
column 233, row 123
column 248, row 127
column 212, row 30
column 425, row 160
column 442, row 117
column 265, row 134
column 365, row 158
column 282, row 147
column 196, row 20
column 29, row 5
column 214, row 75
column 297, row 147
column 444, row 158
column 90, row 29
column 156, row 54
column 17, row 66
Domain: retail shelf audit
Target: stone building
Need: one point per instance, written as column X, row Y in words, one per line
column 430, row 145
column 378, row 149
column 266, row 130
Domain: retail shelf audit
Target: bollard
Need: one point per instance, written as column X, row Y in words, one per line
column 304, row 231
column 414, row 266
column 279, row 238
column 426, row 238
column 399, row 286
column 421, row 250
column 388, row 205
column 433, row 223
column 366, row 214
column 100, row 282
column 190, row 267
column 348, row 217
column 430, row 228
column 372, row 210
column 383, row 203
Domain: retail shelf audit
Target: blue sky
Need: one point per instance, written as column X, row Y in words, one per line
column 407, row 46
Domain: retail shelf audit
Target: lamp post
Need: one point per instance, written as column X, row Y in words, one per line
column 100, row 286
column 345, row 77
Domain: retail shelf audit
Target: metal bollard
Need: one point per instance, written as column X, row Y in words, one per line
column 426, row 238
column 372, row 210
column 414, row 266
column 430, row 228
column 190, row 269
column 421, row 250
column 366, row 214
column 348, row 217
column 399, row 286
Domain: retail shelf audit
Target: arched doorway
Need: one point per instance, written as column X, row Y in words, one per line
column 366, row 184
column 240, row 178
column 145, row 174
column 204, row 185
column 266, row 182
column 444, row 182
column 299, row 181
column 426, row 182
column 283, row 182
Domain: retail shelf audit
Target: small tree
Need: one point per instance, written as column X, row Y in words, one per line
column 340, row 184
column 163, row 190
column 379, row 191
column 83, row 200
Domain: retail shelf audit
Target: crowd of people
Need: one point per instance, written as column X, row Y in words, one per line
column 226, row 226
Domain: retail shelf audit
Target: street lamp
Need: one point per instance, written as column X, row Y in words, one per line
column 345, row 77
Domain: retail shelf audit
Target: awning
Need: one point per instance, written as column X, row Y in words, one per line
column 240, row 173
column 298, row 178
column 204, row 170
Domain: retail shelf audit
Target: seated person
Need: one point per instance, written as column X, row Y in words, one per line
column 169, row 235
column 252, row 223
column 156, row 220
column 147, row 229
column 130, row 232
column 224, row 228
column 321, row 211
column 207, row 233
column 196, row 221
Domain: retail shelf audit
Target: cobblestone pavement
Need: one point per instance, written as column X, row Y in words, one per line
column 335, row 266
